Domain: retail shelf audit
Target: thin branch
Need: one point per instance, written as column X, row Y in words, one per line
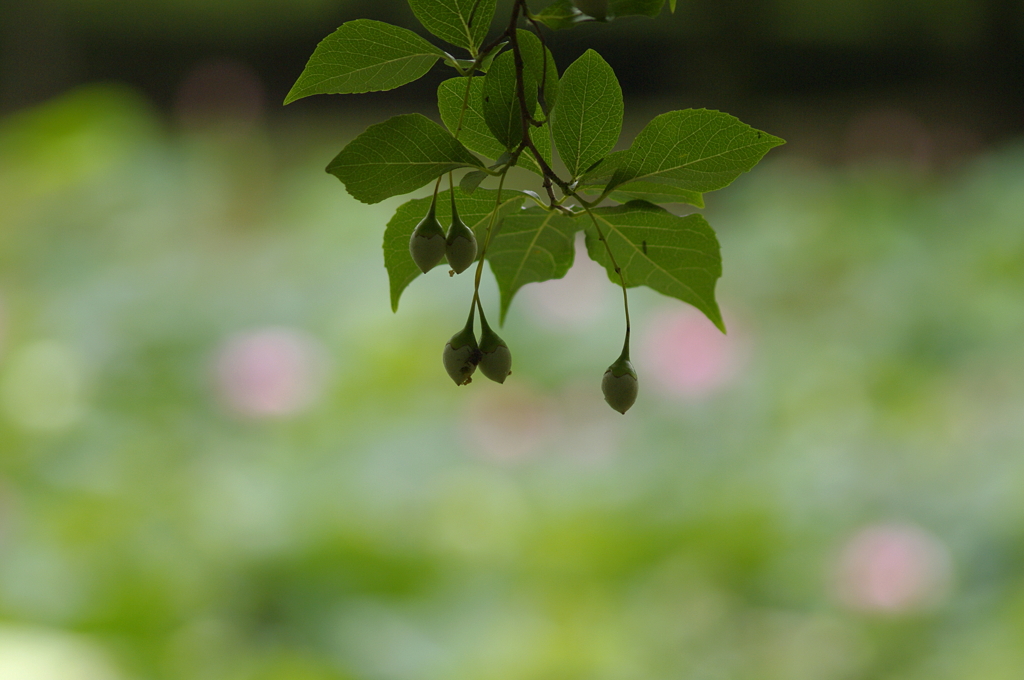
column 549, row 175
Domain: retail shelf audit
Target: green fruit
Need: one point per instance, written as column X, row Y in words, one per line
column 620, row 385
column 460, row 246
column 595, row 8
column 427, row 243
column 495, row 358
column 461, row 355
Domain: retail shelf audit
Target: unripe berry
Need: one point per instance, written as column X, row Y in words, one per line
column 427, row 243
column 460, row 246
column 620, row 385
column 495, row 358
column 595, row 8
column 461, row 355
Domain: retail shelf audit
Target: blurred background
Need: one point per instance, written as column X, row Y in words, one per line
column 222, row 457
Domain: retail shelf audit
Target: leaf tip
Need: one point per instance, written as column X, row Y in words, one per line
column 714, row 315
column 291, row 96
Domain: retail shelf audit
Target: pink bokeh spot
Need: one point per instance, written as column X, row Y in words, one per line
column 685, row 355
column 271, row 372
column 892, row 569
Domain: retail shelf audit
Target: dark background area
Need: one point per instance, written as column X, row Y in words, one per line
column 787, row 62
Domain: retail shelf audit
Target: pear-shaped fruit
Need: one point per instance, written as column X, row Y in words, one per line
column 460, row 246
column 495, row 358
column 595, row 8
column 461, row 354
column 427, row 243
column 619, row 384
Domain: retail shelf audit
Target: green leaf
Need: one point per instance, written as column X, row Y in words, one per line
column 501, row 103
column 466, row 64
column 475, row 134
column 398, row 156
column 364, row 56
column 533, row 245
column 485, row 65
column 461, row 22
column 696, row 149
column 587, row 119
column 676, row 256
column 656, row 192
column 540, row 64
column 471, row 180
column 534, row 195
column 602, row 171
column 541, row 138
column 560, row 14
column 623, row 8
column 672, row 6
column 475, row 210
column 563, row 14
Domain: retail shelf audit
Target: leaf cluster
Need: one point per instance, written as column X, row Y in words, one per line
column 509, row 105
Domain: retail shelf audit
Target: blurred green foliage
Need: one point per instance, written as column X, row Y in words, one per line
column 222, row 457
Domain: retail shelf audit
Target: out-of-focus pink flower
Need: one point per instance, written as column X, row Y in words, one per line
column 684, row 355
column 271, row 372
column 892, row 569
